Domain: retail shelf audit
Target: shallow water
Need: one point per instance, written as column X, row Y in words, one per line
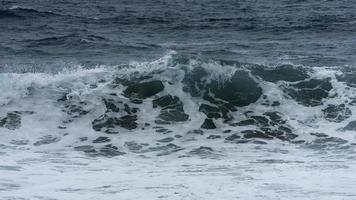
column 248, row 172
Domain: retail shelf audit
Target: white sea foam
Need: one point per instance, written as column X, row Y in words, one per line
column 276, row 170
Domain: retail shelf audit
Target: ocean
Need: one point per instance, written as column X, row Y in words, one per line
column 179, row 99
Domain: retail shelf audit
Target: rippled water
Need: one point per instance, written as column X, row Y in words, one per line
column 45, row 35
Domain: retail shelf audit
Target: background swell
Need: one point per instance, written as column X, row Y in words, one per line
column 313, row 33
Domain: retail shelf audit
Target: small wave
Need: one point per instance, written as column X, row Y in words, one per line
column 66, row 40
column 15, row 86
column 131, row 19
column 25, row 12
column 8, row 14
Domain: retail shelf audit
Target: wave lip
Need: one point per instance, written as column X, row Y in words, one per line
column 66, row 40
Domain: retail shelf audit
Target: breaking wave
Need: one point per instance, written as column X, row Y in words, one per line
column 178, row 105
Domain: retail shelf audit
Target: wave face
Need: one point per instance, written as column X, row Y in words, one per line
column 157, row 107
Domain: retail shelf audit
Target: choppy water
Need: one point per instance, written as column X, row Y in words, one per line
column 177, row 100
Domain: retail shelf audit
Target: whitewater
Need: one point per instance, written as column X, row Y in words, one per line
column 179, row 128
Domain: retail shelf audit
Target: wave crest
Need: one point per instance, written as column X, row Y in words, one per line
column 181, row 98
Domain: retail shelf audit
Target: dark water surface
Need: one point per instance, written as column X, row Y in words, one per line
column 42, row 35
